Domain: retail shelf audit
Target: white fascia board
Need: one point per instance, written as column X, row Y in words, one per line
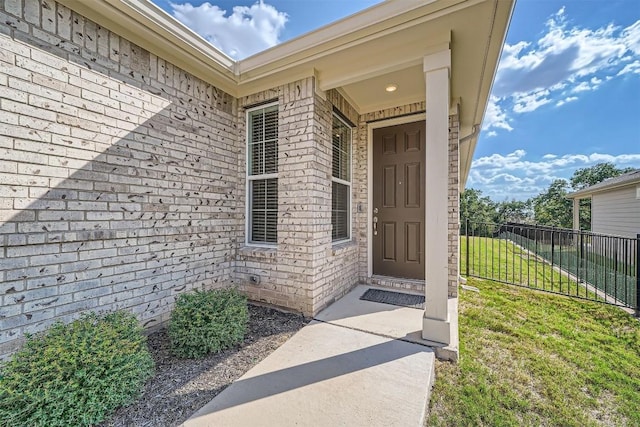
column 493, row 52
column 174, row 27
column 371, row 24
column 586, row 193
column 374, row 15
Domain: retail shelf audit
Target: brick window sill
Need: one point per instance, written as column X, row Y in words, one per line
column 340, row 247
column 258, row 252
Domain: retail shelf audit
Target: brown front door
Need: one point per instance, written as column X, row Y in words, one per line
column 398, row 200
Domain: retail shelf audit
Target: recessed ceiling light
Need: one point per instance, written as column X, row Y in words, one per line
column 391, row 88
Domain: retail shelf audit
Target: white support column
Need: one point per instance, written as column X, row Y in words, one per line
column 576, row 213
column 436, row 326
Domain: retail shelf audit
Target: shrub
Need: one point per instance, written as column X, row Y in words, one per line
column 207, row 321
column 75, row 374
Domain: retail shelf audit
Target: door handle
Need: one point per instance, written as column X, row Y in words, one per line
column 375, row 225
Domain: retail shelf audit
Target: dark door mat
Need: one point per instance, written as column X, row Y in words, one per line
column 393, row 298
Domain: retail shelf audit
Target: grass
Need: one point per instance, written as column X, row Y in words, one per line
column 532, row 359
column 608, row 264
column 502, row 261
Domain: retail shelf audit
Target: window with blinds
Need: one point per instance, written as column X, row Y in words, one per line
column 341, row 180
column 262, row 174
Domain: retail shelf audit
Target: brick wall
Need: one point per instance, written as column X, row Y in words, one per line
column 285, row 270
column 304, row 271
column 123, row 181
column 454, row 207
column 119, row 174
column 337, row 264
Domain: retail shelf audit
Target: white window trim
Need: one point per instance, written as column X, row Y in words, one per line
column 249, row 178
column 343, row 182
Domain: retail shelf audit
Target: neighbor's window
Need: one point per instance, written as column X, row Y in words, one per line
column 341, row 181
column 262, row 174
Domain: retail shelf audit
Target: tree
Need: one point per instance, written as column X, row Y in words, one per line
column 478, row 210
column 586, row 177
column 513, row 211
column 552, row 208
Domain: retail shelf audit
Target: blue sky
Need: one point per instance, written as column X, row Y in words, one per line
column 566, row 96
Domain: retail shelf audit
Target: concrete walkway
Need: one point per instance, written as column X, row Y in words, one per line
column 334, row 372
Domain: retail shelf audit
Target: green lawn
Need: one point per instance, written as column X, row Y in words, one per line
column 529, row 359
column 501, row 260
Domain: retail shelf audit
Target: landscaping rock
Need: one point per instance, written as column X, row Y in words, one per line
column 182, row 386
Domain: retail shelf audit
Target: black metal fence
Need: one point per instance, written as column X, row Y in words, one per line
column 580, row 264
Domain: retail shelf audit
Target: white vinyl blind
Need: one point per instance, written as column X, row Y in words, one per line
column 341, row 181
column 262, row 169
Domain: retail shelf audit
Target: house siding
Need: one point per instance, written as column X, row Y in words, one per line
column 616, row 212
column 124, row 182
column 119, row 175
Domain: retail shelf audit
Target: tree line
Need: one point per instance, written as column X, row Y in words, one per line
column 550, row 208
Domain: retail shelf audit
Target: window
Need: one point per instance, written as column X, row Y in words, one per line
column 341, row 181
column 262, row 174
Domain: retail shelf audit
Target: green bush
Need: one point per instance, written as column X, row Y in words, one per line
column 75, row 374
column 208, row 321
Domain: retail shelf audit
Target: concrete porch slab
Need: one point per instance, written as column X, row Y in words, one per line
column 389, row 320
column 329, row 375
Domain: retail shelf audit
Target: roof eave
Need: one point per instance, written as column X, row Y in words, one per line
column 150, row 27
column 493, row 53
column 587, row 192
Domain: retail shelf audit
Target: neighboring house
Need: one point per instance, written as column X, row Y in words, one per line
column 138, row 162
column 615, row 205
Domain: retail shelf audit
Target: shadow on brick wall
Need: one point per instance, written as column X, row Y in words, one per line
column 119, row 173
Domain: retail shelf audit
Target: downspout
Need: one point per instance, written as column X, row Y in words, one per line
column 475, row 130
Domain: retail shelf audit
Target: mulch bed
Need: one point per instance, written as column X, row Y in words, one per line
column 182, row 386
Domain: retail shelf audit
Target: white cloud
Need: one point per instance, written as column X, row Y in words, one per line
column 633, row 68
column 563, row 63
column 495, row 117
column 567, row 99
column 514, row 176
column 247, row 30
column 581, row 87
column 524, row 103
column 631, row 36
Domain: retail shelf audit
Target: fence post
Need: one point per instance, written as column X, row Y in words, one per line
column 466, row 232
column 581, row 262
column 638, row 275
